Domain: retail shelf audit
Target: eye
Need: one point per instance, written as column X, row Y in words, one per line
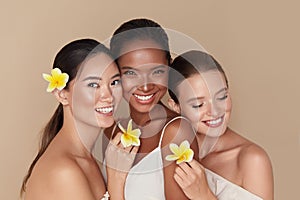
column 116, row 82
column 159, row 71
column 198, row 105
column 94, row 85
column 129, row 72
column 223, row 97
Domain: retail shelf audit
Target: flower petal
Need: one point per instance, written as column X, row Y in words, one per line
column 171, row 157
column 136, row 141
column 189, row 154
column 51, row 87
column 55, row 72
column 125, row 140
column 121, row 128
column 174, row 148
column 180, row 160
column 47, row 77
column 135, row 133
column 184, row 146
column 129, row 126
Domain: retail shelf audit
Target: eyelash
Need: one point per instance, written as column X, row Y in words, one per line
column 198, row 106
column 160, row 71
column 113, row 83
column 130, row 73
column 223, row 98
column 116, row 82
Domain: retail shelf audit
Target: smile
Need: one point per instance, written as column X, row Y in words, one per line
column 105, row 110
column 214, row 122
column 143, row 98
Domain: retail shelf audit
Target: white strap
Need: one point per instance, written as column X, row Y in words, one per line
column 163, row 131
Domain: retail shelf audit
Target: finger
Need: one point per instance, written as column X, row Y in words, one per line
column 127, row 149
column 180, row 172
column 196, row 166
column 135, row 149
column 117, row 139
column 179, row 180
column 186, row 168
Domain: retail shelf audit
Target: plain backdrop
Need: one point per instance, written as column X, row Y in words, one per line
column 257, row 42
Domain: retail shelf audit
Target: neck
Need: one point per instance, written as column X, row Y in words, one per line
column 208, row 145
column 82, row 135
column 142, row 119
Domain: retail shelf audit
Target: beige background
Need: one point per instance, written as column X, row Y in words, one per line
column 257, row 42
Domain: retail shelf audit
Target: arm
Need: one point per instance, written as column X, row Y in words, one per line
column 257, row 172
column 118, row 162
column 191, row 178
column 176, row 132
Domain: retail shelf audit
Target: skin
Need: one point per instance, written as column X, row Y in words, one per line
column 232, row 156
column 67, row 169
column 144, row 72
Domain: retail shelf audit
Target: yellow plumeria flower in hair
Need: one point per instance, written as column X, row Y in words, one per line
column 182, row 153
column 57, row 80
column 129, row 136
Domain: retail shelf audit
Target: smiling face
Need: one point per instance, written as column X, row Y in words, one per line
column 204, row 99
column 144, row 70
column 96, row 91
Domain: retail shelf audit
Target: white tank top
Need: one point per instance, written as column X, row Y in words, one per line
column 145, row 180
column 226, row 190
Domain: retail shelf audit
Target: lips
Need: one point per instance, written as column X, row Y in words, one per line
column 214, row 122
column 108, row 110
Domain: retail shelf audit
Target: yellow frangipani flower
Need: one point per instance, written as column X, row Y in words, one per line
column 129, row 136
column 183, row 153
column 56, row 79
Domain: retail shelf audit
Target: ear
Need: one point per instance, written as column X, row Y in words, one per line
column 61, row 96
column 174, row 106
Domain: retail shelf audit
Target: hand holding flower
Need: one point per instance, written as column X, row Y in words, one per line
column 129, row 136
column 182, row 153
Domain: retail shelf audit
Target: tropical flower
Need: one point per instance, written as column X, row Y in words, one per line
column 56, row 79
column 183, row 153
column 129, row 136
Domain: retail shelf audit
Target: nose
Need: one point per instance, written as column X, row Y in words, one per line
column 106, row 94
column 146, row 85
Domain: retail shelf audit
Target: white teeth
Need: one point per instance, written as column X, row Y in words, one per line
column 214, row 122
column 143, row 98
column 104, row 110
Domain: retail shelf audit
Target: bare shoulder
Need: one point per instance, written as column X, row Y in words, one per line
column 178, row 130
column 253, row 155
column 66, row 180
column 256, row 169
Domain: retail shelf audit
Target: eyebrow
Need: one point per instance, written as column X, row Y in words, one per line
column 99, row 78
column 200, row 98
column 156, row 67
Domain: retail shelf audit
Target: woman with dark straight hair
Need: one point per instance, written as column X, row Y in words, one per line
column 86, row 82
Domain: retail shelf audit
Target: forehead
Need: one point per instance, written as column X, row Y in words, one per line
column 206, row 83
column 140, row 53
column 97, row 65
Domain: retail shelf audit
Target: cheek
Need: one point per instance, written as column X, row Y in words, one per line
column 191, row 113
column 84, row 96
column 228, row 105
column 117, row 94
column 128, row 84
